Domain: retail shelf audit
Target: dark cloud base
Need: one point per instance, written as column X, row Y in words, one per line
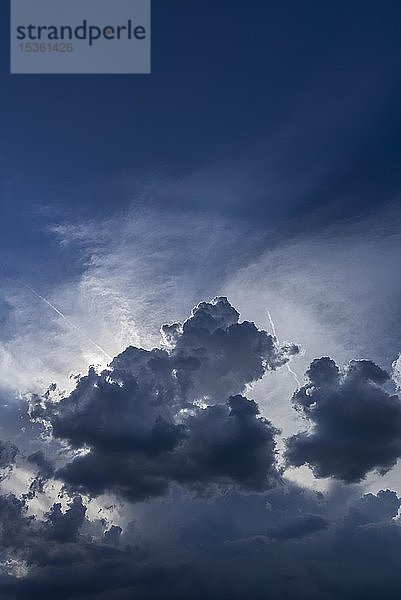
column 285, row 543
column 170, row 435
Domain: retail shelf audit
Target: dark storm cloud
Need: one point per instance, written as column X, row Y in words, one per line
column 45, row 471
column 14, row 522
column 356, row 424
column 229, row 354
column 173, row 415
column 56, row 559
column 235, row 546
column 64, row 526
column 230, row 546
column 172, row 426
column 112, row 536
column 373, row 508
column 8, row 454
column 39, row 460
column 298, row 528
column 226, row 444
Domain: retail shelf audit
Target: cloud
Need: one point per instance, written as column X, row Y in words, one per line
column 230, row 354
column 203, row 509
column 174, row 414
column 8, row 454
column 294, row 542
column 38, row 459
column 64, row 527
column 356, row 424
column 373, row 508
column 45, row 470
column 233, row 545
column 53, row 557
column 298, row 528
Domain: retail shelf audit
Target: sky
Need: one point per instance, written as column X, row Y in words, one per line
column 199, row 312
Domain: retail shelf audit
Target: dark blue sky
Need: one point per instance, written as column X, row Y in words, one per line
column 288, row 106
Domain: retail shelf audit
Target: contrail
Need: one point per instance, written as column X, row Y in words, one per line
column 272, row 325
column 287, row 364
column 70, row 323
